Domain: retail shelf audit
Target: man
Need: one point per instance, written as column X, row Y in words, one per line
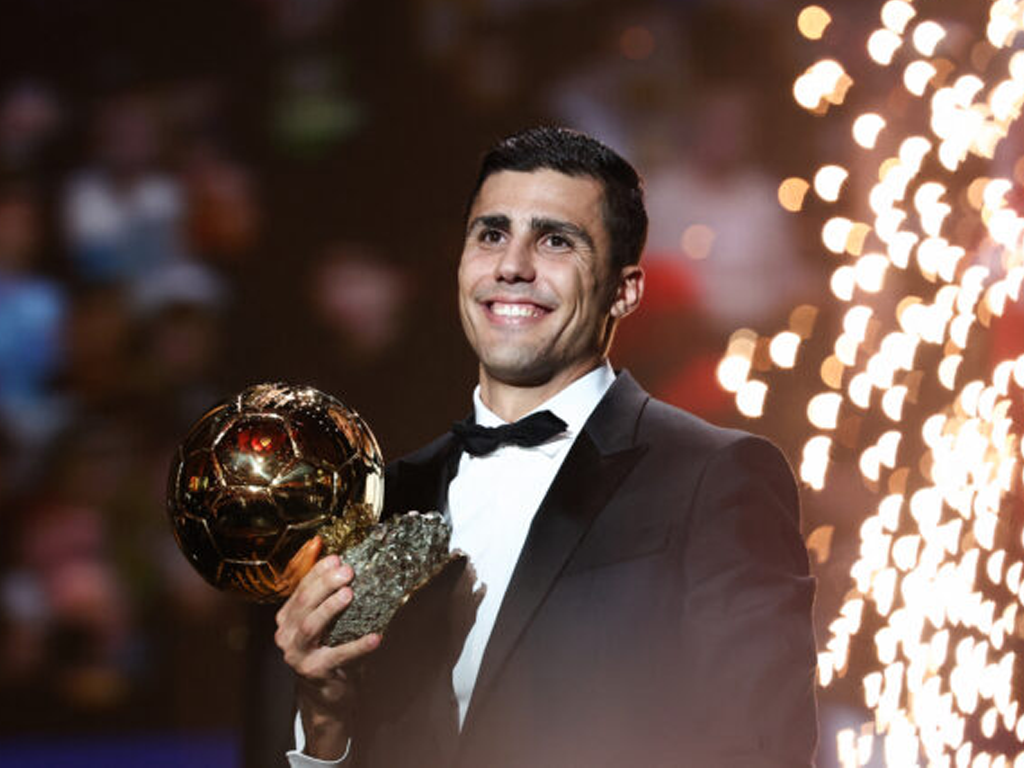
column 646, row 599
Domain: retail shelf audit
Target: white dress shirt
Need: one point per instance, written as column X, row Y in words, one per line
column 491, row 504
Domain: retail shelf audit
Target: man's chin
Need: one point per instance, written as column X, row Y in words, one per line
column 518, row 373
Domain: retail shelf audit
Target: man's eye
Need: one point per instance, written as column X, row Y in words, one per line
column 558, row 241
column 491, row 236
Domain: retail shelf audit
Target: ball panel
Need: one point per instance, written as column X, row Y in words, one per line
column 244, row 524
column 205, row 431
column 303, row 474
column 195, row 540
column 304, row 493
column 317, row 436
column 351, row 483
column 258, row 580
column 291, row 541
column 356, row 433
column 196, row 480
column 254, row 449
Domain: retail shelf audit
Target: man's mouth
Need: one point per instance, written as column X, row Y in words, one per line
column 514, row 309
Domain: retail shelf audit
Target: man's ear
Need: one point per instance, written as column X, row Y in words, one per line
column 629, row 291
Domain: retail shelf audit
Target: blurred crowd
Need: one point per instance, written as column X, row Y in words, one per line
column 200, row 195
column 115, row 275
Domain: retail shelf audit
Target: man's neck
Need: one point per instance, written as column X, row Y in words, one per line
column 512, row 402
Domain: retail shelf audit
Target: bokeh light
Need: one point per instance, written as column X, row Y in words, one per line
column 923, row 270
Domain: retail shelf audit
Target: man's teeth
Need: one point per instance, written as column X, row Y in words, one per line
column 515, row 310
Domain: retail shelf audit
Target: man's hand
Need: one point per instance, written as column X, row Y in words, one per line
column 325, row 689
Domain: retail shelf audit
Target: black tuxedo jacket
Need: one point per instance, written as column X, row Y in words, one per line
column 659, row 613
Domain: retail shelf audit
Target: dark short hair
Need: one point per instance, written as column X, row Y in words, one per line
column 576, row 154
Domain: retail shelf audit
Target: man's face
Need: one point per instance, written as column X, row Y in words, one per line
column 536, row 285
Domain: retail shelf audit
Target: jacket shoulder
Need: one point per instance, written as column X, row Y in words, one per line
column 665, row 424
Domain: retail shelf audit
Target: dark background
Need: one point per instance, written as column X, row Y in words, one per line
column 200, row 195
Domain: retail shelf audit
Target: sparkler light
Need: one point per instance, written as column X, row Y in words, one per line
column 926, row 264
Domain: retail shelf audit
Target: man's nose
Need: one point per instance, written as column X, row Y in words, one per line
column 516, row 264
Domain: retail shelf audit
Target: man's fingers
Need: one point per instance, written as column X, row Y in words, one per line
column 299, row 636
column 324, row 578
column 346, row 653
column 331, row 661
column 320, row 596
column 312, row 626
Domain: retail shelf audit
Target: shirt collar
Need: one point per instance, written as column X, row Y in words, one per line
column 573, row 404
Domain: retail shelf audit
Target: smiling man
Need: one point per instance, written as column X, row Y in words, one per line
column 538, row 291
column 644, row 595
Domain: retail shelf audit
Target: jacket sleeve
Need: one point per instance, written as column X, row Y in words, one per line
column 745, row 613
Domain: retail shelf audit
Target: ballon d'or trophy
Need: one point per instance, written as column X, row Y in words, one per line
column 259, row 475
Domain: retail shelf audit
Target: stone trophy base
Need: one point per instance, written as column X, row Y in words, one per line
column 392, row 560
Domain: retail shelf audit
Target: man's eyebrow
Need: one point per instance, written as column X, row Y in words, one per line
column 490, row 221
column 558, row 226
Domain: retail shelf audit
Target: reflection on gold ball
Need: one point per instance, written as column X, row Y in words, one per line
column 259, row 474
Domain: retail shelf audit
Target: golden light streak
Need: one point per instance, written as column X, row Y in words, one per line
column 860, row 390
column 836, row 233
column 975, row 192
column 867, row 128
column 1016, row 66
column 917, row 76
column 882, row 46
column 904, row 552
column 831, row 372
column 888, row 445
column 900, row 247
column 930, row 207
column 856, row 321
column 791, row 194
column 896, row 14
column 783, row 349
column 967, row 88
column 858, row 235
column 828, row 182
column 750, row 398
column 927, row 36
column 1001, row 26
column 865, row 746
column 1006, row 228
column 994, row 196
column 1015, row 282
column 732, row 372
column 869, row 272
column 959, row 330
column 803, row 319
column 823, row 81
column 807, row 92
column 948, row 369
column 846, row 746
column 844, row 282
column 892, row 402
column 913, row 151
column 1006, row 99
column 819, row 543
column 813, row 21
column 815, row 461
column 1018, row 371
column 935, row 265
column 823, row 410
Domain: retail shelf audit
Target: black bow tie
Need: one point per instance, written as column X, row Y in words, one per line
column 533, row 430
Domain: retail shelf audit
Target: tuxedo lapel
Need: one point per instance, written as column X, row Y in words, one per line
column 420, row 481
column 598, row 461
